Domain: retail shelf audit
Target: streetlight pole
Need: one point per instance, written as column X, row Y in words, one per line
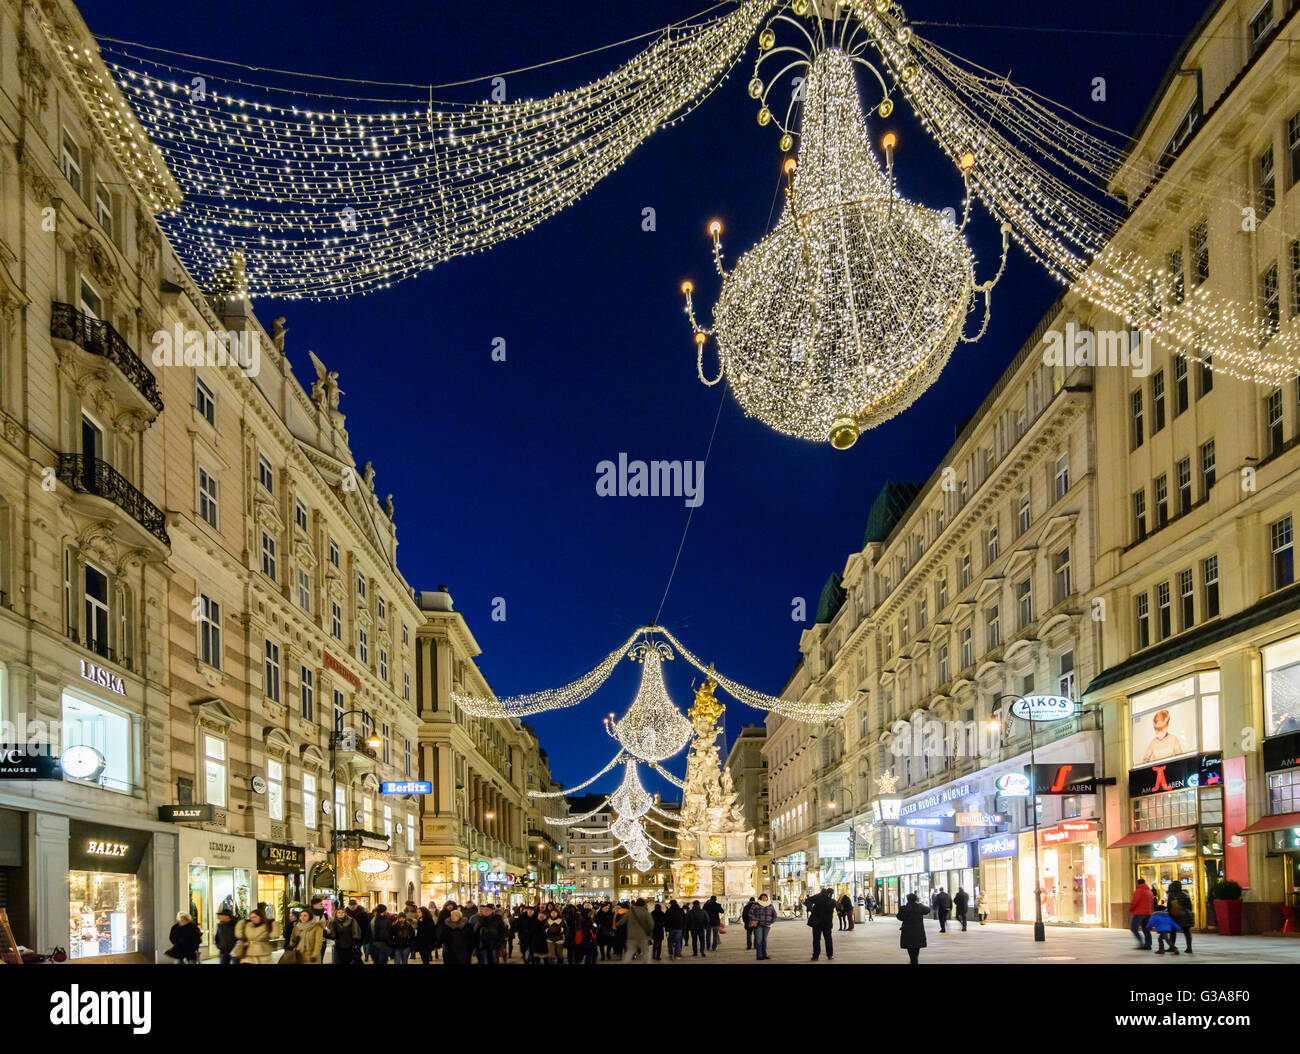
column 853, row 844
column 1040, row 931
column 336, row 740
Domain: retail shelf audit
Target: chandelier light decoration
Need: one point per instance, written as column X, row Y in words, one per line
column 328, row 196
column 631, row 798
column 653, row 729
column 849, row 309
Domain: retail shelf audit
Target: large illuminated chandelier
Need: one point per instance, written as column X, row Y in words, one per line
column 653, row 728
column 849, row 309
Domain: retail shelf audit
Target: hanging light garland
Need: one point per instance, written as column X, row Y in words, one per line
column 327, row 202
column 653, row 728
column 631, row 798
column 849, row 309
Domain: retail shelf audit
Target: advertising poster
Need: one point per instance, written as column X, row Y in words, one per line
column 1165, row 732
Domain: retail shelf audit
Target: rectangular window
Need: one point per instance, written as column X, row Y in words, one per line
column 1295, row 278
column 1210, row 586
column 1062, row 478
column 363, row 646
column 1182, row 390
column 1024, row 603
column 214, row 771
column 1142, row 611
column 210, row 631
column 993, row 627
column 993, row 543
column 406, row 759
column 1261, row 24
column 361, row 585
column 406, row 686
column 1162, row 500
column 1164, row 612
column 95, row 609
column 1023, row 513
column 367, row 813
column 967, row 648
column 204, row 401
column 265, row 474
column 1062, row 585
column 1139, row 515
column 388, row 821
column 1200, row 243
column 943, row 664
column 965, row 570
column 1065, row 675
column 1293, row 149
column 383, row 664
column 1205, row 375
column 1273, row 421
column 334, row 552
column 1184, row 470
column 307, row 693
column 1207, row 469
column 1174, row 263
column 1136, row 403
column 71, row 162
column 310, row 803
column 383, row 736
column 268, row 556
column 300, row 515
column 340, row 707
column 336, row 621
column 406, row 635
column 1265, row 183
column 272, row 679
column 941, row 594
column 410, row 831
column 1186, row 599
column 340, row 808
column 381, row 609
column 275, row 789
column 1283, row 554
column 1270, row 302
column 1157, row 401
column 208, row 507
column 304, row 590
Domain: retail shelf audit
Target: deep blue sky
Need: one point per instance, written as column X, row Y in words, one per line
column 493, row 466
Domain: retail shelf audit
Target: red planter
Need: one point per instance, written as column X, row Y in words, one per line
column 1227, row 917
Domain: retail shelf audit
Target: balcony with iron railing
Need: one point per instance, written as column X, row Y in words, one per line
column 101, row 482
column 94, row 339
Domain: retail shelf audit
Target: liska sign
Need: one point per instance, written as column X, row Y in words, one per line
column 102, row 677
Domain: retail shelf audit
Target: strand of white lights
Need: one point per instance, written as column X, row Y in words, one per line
column 653, row 728
column 620, row 756
column 661, row 771
column 568, row 821
column 812, row 713
column 327, row 203
column 630, row 798
column 550, row 699
column 1068, row 231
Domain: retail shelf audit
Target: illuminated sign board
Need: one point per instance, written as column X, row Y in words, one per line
column 102, row 677
column 999, row 846
column 833, row 845
column 1073, row 778
column 980, row 819
column 1203, row 770
column 1043, row 708
column 939, row 797
column 1013, row 785
column 406, row 787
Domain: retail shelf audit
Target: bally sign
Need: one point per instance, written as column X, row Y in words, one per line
column 102, row 677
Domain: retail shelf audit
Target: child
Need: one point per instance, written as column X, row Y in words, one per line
column 1167, row 929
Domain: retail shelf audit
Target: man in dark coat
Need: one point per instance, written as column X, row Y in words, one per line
column 697, row 921
column 911, row 934
column 674, row 924
column 942, row 905
column 744, row 921
column 714, row 910
column 821, row 917
column 224, row 938
column 657, row 936
column 959, row 902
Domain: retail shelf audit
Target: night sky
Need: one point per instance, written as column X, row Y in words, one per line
column 493, row 465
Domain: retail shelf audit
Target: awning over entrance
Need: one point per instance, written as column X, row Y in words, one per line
column 1280, row 822
column 1185, row 836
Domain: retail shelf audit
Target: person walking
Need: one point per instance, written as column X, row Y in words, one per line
column 982, row 907
column 555, row 937
column 714, row 911
column 638, row 926
column 308, row 938
column 426, row 929
column 744, row 922
column 942, row 905
column 821, row 916
column 586, row 938
column 403, row 939
column 675, row 925
column 491, row 935
column 1180, row 910
column 346, row 935
column 870, row 905
column 224, row 938
column 1140, row 906
column 253, row 938
column 911, row 934
column 845, row 912
column 762, row 916
column 362, row 918
column 185, row 937
column 697, row 921
column 457, row 939
column 960, row 901
column 1163, row 923
column 657, row 936
column 381, row 936
column 605, row 929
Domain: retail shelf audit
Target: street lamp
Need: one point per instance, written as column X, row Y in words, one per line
column 853, row 843
column 337, row 738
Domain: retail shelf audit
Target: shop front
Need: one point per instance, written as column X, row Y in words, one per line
column 446, row 878
column 997, row 878
column 217, row 870
column 897, row 876
column 1069, row 868
column 281, row 882
column 952, row 867
column 105, row 891
column 790, row 876
column 1281, row 823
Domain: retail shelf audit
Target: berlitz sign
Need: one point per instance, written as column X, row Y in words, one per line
column 99, row 675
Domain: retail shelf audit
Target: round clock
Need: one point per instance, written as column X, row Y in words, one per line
column 82, row 763
column 259, row 785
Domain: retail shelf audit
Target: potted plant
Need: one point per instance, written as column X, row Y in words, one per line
column 1227, row 907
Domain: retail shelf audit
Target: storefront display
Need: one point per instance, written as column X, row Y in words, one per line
column 218, row 870
column 281, row 882
column 103, row 889
column 1069, row 870
column 951, row 867
column 897, row 876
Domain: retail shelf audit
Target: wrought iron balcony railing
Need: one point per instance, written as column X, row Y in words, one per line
column 99, row 338
column 90, row 475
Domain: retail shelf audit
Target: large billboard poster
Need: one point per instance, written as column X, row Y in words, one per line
column 1164, row 732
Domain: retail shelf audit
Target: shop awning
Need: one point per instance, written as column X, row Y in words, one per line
column 1280, row 822
column 1185, row 836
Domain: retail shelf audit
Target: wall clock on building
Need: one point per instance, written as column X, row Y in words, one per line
column 82, row 763
column 357, row 816
column 259, row 785
column 325, row 807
